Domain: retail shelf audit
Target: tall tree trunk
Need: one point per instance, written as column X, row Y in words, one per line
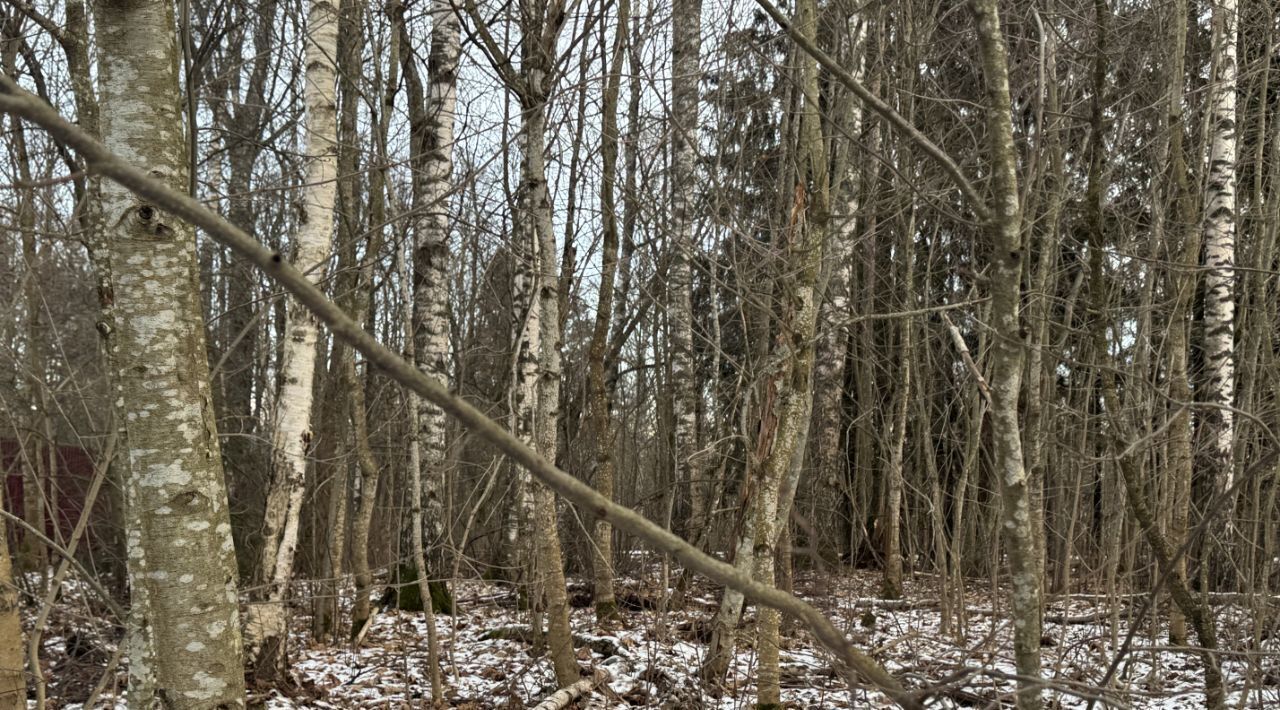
column 1005, row 378
column 800, row 293
column 13, row 685
column 241, row 117
column 535, row 396
column 833, row 333
column 894, row 484
column 550, row 563
column 787, row 395
column 1220, row 249
column 600, row 400
column 418, row 122
column 32, row 555
column 266, row 631
column 1185, row 247
column 433, row 167
column 184, row 628
column 359, row 295
column 686, row 74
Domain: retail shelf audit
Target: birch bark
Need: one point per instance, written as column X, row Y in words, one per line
column 686, row 72
column 434, row 168
column 266, row 630
column 787, row 401
column 1220, row 247
column 184, row 628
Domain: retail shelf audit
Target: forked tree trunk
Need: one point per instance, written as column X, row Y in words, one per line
column 183, row 639
column 550, row 562
column 266, row 631
column 800, row 291
column 418, row 125
column 787, row 392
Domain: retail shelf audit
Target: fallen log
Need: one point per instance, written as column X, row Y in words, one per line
column 564, row 696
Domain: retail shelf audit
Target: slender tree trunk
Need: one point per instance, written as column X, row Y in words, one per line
column 239, row 114
column 833, row 334
column 418, row 123
column 362, row 518
column 1004, row 233
column 547, row 537
column 600, row 401
column 32, row 555
column 335, row 514
column 1220, row 250
column 787, row 391
column 800, row 291
column 434, row 169
column 1185, row 244
column 184, row 628
column 13, row 684
column 892, row 583
column 266, row 631
column 686, row 75
column 399, row 35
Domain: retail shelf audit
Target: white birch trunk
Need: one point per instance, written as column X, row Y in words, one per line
column 266, row 630
column 1220, row 246
column 550, row 563
column 431, row 257
column 829, row 367
column 183, row 638
column 686, row 73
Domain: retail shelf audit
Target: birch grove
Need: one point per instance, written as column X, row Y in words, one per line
column 639, row 354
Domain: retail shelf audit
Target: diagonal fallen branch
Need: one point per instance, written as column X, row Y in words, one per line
column 858, row 666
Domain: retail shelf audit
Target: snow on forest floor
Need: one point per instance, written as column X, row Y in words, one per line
column 658, row 661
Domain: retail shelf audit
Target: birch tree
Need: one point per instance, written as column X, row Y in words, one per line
column 266, row 630
column 786, row 400
column 433, row 165
column 686, row 24
column 537, row 326
column 833, row 334
column 184, row 627
column 1220, row 248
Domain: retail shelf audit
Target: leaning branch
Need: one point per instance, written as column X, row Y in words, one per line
column 100, row 160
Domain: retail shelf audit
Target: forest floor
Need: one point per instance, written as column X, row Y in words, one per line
column 658, row 654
